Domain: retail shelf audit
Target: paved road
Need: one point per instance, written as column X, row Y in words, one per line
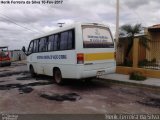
column 97, row 97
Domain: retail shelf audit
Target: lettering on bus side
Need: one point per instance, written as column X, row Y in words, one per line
column 55, row 57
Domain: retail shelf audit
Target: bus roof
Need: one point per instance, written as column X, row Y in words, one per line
column 60, row 29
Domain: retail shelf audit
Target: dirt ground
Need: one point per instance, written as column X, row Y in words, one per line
column 21, row 94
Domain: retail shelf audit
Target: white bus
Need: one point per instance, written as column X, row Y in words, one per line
column 78, row 51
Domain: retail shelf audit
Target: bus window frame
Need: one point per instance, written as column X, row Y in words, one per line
column 37, row 49
column 29, row 47
column 45, row 41
column 59, row 35
column 51, row 42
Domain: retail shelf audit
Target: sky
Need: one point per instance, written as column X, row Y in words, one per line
column 20, row 23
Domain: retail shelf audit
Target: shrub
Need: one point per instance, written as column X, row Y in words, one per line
column 137, row 76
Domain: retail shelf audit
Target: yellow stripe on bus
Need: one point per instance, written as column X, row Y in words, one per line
column 98, row 56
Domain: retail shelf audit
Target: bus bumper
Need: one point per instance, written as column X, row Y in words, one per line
column 97, row 73
column 81, row 72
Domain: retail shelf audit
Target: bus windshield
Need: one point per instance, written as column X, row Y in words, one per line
column 3, row 52
column 97, row 37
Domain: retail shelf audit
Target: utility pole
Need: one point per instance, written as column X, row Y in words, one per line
column 117, row 23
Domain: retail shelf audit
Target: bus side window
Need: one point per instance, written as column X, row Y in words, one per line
column 35, row 46
column 43, row 45
column 63, row 41
column 30, row 48
column 51, row 43
column 71, row 40
column 56, row 42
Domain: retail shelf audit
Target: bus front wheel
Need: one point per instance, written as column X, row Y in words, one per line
column 57, row 76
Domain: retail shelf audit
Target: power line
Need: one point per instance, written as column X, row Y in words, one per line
column 12, row 21
column 18, row 24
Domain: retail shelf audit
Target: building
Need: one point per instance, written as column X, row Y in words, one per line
column 17, row 55
column 154, row 33
column 145, row 60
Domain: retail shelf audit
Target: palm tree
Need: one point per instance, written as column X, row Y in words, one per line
column 130, row 32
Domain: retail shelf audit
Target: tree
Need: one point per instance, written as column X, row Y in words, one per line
column 130, row 32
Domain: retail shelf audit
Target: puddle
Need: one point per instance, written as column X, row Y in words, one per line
column 8, row 74
column 4, row 70
column 39, row 83
column 152, row 102
column 23, row 87
column 27, row 76
column 61, row 97
column 135, row 92
column 25, row 90
column 24, row 78
column 10, row 86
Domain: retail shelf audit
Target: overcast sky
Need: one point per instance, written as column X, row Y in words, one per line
column 19, row 23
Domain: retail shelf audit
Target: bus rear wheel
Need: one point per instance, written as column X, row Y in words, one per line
column 57, row 76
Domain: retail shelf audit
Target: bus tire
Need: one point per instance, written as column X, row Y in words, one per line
column 57, row 76
column 32, row 72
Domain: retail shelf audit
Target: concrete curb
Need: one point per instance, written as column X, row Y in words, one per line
column 139, row 85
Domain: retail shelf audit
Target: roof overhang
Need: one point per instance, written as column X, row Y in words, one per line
column 154, row 28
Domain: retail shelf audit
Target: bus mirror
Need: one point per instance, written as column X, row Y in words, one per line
column 24, row 50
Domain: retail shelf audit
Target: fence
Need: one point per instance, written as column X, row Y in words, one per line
column 150, row 58
column 140, row 59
